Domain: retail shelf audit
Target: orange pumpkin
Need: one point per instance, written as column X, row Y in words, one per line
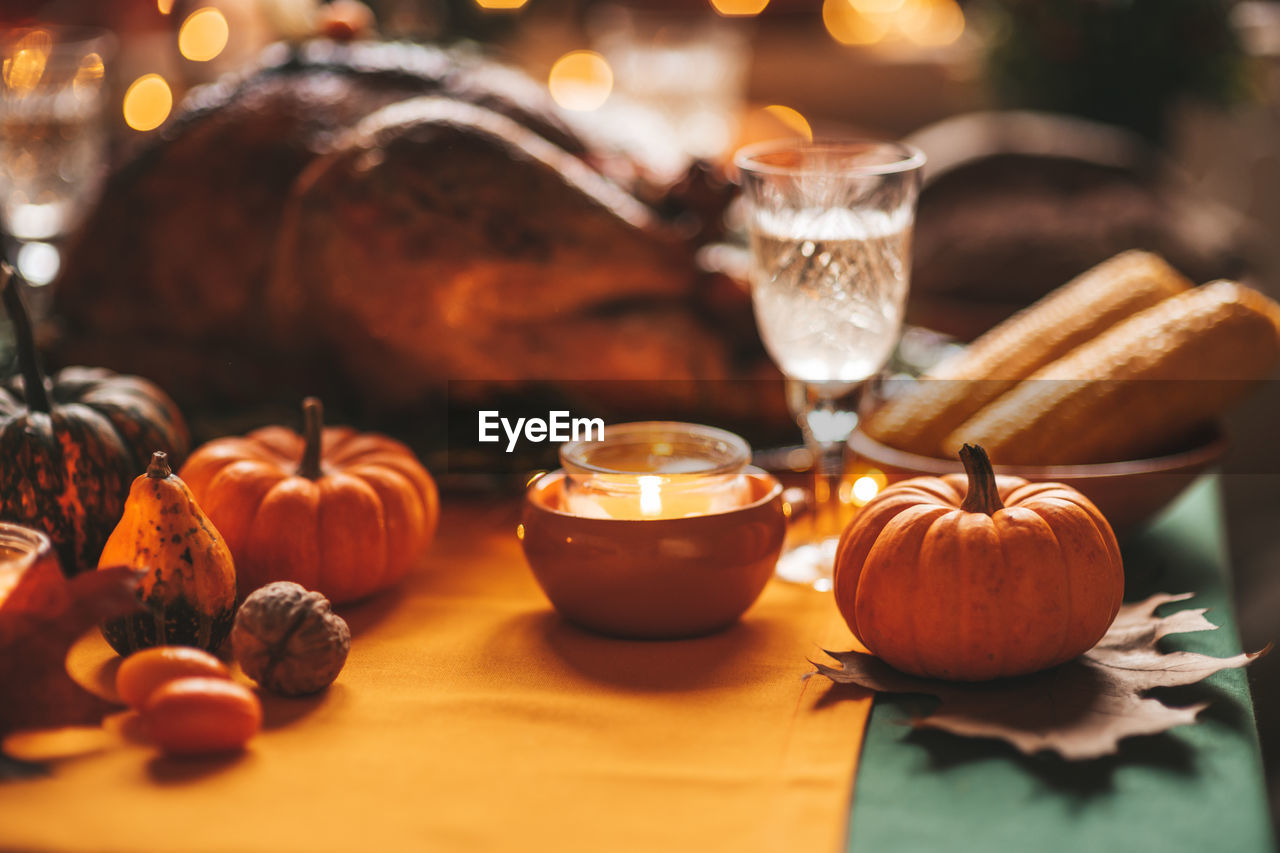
column 338, row 511
column 1003, row 578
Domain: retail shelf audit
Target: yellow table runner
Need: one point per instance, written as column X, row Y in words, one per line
column 470, row 717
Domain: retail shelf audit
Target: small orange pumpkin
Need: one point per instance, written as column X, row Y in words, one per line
column 338, row 511
column 1005, row 579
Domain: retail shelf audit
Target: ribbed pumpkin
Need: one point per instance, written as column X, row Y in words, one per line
column 71, row 446
column 338, row 511
column 189, row 592
column 978, row 580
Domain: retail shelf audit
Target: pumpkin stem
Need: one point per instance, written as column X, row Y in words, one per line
column 983, row 496
column 159, row 467
column 33, row 386
column 312, row 432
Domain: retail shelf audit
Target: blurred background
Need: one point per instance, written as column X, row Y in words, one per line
column 1059, row 132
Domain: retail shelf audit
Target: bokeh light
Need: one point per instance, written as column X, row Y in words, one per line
column 849, row 25
column 580, row 80
column 38, row 263
column 864, row 489
column 165, row 6
column 867, row 485
column 791, row 119
column 876, row 7
column 24, row 68
column 501, row 5
column 925, row 23
column 89, row 75
column 147, row 102
column 739, row 8
column 203, row 35
column 931, row 23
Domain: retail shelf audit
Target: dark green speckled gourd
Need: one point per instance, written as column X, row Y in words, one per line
column 69, row 446
column 189, row 592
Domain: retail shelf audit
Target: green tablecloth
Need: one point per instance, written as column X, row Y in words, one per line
column 1197, row 788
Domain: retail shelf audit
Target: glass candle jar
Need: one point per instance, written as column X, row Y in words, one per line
column 19, row 548
column 656, row 469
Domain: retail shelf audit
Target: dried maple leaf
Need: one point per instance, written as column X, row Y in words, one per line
column 35, row 689
column 1079, row 710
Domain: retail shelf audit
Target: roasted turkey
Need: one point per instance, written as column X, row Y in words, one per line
column 371, row 221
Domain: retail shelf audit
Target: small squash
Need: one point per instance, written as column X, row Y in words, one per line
column 70, row 446
column 1002, row 579
column 189, row 592
column 337, row 511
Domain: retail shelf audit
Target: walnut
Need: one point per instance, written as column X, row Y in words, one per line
column 288, row 640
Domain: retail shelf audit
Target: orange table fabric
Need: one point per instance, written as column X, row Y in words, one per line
column 470, row 717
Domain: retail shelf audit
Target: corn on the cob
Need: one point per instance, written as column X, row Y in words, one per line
column 1138, row 387
column 951, row 393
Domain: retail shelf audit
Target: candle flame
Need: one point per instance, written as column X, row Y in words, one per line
column 650, row 496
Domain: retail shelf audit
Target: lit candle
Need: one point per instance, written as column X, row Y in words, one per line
column 656, row 469
column 19, row 549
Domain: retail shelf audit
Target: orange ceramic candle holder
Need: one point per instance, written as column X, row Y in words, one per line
column 654, row 578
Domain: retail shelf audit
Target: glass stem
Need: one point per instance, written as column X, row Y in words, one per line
column 828, row 475
column 827, row 415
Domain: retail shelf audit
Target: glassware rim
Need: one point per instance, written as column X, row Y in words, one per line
column 64, row 37
column 639, row 11
column 574, row 460
column 32, row 542
column 910, row 158
column 619, row 25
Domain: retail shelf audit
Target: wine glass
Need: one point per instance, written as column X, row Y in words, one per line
column 830, row 226
column 53, row 136
column 680, row 72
